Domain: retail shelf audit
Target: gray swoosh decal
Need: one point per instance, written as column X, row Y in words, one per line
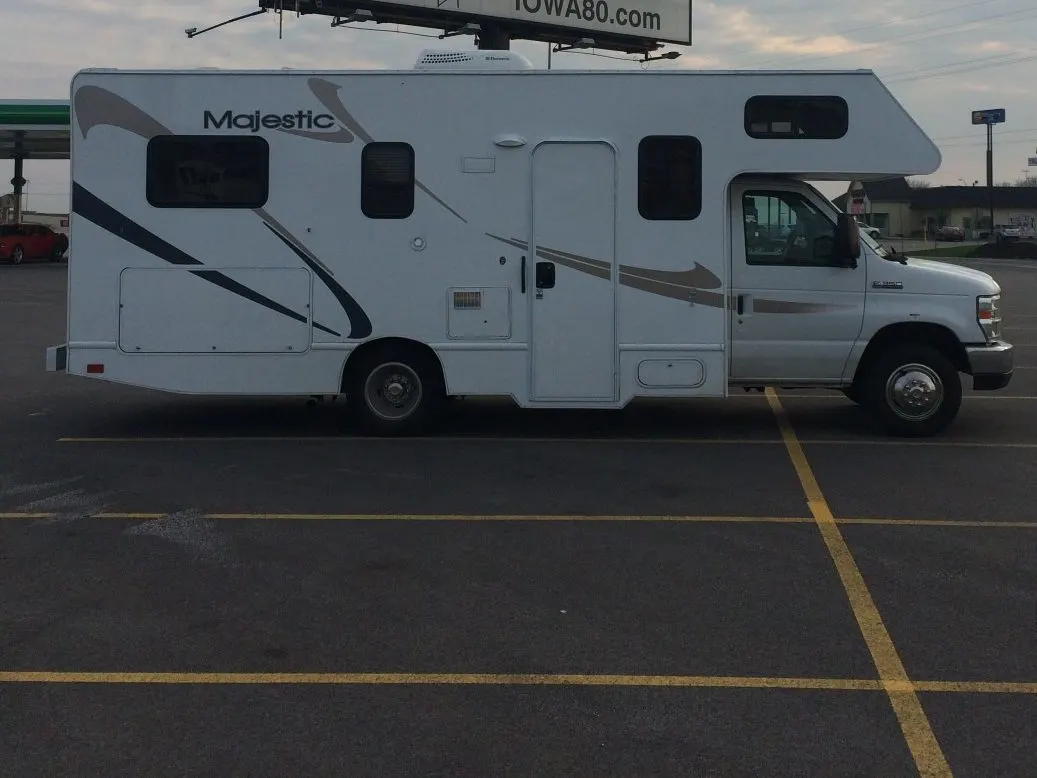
column 96, row 106
column 326, row 93
column 341, row 135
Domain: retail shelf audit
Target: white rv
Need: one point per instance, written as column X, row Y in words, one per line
column 473, row 226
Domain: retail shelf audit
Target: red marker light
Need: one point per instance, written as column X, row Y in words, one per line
column 95, row 368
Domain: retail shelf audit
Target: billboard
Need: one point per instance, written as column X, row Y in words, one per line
column 989, row 116
column 624, row 24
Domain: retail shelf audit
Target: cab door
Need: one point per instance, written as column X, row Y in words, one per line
column 796, row 311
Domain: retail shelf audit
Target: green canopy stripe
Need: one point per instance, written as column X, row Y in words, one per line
column 56, row 115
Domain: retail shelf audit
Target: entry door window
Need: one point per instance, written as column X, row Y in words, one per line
column 784, row 228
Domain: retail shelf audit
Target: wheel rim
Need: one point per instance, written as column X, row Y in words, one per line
column 914, row 392
column 17, row 254
column 393, row 391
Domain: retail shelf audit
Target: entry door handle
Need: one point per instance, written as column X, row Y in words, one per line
column 523, row 286
column 741, row 304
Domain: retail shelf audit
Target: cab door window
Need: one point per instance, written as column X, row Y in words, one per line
column 784, row 228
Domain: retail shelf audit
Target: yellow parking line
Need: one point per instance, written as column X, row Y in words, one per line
column 514, row 679
column 943, row 523
column 436, row 517
column 836, row 396
column 729, row 682
column 423, row 439
column 464, row 517
column 976, row 687
column 918, row 732
column 898, row 443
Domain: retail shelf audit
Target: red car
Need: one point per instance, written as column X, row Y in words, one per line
column 949, row 232
column 19, row 242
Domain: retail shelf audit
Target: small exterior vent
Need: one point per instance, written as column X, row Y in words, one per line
column 467, row 301
column 431, row 59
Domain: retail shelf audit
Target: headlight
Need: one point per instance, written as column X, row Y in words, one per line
column 988, row 314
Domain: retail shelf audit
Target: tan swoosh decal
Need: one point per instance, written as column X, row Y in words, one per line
column 764, row 305
column 688, row 285
column 676, row 284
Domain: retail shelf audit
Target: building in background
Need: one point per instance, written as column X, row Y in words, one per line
column 900, row 210
column 56, row 221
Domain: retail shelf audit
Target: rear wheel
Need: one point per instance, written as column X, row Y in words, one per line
column 395, row 391
column 912, row 390
column 17, row 255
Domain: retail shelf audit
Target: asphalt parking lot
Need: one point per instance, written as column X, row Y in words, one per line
column 758, row 586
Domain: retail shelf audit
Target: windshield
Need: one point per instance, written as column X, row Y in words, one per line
column 875, row 246
column 879, row 248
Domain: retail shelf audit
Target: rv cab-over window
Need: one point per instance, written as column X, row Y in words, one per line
column 800, row 117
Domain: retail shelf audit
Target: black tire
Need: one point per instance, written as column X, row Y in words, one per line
column 852, row 393
column 930, row 372
column 414, row 374
column 17, row 255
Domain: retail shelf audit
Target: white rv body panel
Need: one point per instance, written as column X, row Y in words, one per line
column 511, row 168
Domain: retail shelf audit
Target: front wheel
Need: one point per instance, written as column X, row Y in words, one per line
column 913, row 390
column 395, row 392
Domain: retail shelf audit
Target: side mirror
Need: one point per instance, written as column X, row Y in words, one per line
column 847, row 241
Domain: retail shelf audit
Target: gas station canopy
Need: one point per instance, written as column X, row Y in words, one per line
column 34, row 129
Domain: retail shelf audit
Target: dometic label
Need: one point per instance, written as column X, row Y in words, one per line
column 257, row 120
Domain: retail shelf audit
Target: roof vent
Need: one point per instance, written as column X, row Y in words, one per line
column 482, row 59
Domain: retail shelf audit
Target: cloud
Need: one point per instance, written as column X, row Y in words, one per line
column 47, row 41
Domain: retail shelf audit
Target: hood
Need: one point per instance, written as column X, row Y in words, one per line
column 955, row 278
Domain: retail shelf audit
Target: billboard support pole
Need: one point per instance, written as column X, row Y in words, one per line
column 990, row 175
column 494, row 37
column 990, row 117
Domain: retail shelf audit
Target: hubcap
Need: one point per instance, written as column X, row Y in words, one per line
column 393, row 391
column 914, row 392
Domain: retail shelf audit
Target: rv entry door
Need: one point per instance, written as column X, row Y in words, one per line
column 572, row 273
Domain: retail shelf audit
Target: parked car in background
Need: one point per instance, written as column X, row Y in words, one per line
column 19, row 242
column 949, row 232
column 874, row 232
column 1006, row 233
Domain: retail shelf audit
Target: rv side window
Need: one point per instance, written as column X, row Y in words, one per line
column 206, row 171
column 669, row 177
column 387, row 180
column 803, row 117
column 786, row 229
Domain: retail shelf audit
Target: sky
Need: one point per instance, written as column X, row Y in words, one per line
column 941, row 59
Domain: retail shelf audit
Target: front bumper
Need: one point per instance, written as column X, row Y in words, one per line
column 57, row 358
column 991, row 365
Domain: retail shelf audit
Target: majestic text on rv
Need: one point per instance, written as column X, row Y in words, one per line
column 477, row 227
